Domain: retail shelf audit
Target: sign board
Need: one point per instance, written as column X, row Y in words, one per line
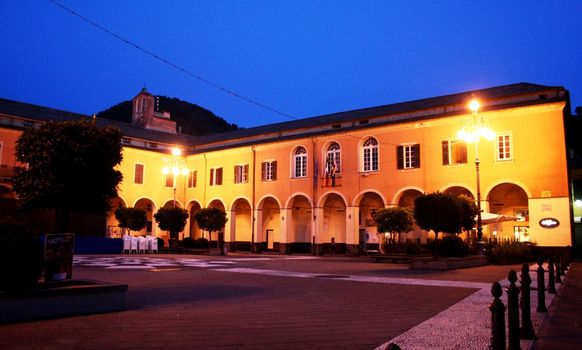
column 549, row 223
column 58, row 256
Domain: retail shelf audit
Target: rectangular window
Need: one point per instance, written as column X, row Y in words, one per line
column 300, row 165
column 170, row 179
column 126, row 140
column 269, row 171
column 138, row 174
column 215, row 176
column 241, row 174
column 192, row 178
column 408, row 156
column 153, row 145
column 504, row 147
column 454, row 152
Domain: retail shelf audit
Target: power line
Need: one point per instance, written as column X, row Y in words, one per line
column 171, row 64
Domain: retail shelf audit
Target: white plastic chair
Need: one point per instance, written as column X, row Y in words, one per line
column 142, row 245
column 126, row 244
column 134, row 245
column 153, row 244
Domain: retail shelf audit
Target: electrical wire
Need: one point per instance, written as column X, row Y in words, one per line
column 169, row 63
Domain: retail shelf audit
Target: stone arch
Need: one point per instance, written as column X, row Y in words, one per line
column 170, row 204
column 195, row 231
column 512, row 200
column 150, row 208
column 459, row 190
column 299, row 221
column 358, row 198
column 368, row 203
column 269, row 227
column 242, row 221
column 406, row 197
column 334, row 220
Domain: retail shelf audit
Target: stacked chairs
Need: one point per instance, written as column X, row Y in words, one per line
column 143, row 245
column 126, row 244
column 140, row 244
column 153, row 244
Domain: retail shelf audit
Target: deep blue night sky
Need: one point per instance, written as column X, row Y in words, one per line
column 303, row 58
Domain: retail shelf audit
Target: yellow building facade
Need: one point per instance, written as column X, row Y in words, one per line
column 292, row 187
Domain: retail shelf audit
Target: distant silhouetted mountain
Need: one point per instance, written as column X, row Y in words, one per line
column 191, row 119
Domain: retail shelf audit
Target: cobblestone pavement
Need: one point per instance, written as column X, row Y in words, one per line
column 255, row 302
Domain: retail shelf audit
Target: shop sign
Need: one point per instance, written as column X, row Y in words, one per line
column 549, row 223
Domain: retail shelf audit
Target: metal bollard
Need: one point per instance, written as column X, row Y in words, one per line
column 513, row 312
column 541, row 288
column 558, row 269
column 551, row 279
column 497, row 308
column 526, row 331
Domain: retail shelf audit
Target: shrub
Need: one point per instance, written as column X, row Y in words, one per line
column 452, row 246
column 187, row 242
column 201, row 243
column 412, row 248
column 160, row 242
column 21, row 256
column 511, row 252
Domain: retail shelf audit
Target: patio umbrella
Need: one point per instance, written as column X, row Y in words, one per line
column 491, row 218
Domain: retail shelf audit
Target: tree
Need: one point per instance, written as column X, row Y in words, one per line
column 211, row 219
column 394, row 220
column 70, row 165
column 172, row 220
column 442, row 212
column 133, row 219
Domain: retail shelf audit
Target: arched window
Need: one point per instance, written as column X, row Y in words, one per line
column 333, row 159
column 370, row 155
column 300, row 162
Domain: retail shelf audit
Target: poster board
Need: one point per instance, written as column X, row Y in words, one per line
column 58, row 256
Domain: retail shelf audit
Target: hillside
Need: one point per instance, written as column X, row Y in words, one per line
column 191, row 119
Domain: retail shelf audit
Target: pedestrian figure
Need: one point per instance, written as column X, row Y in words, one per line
column 332, row 246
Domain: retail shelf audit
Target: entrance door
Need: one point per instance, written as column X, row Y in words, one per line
column 269, row 235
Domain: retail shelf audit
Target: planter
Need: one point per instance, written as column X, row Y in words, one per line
column 449, row 263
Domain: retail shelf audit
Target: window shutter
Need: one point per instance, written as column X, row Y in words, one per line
column 399, row 157
column 416, row 155
column 274, row 169
column 445, row 152
column 237, row 174
column 194, row 176
column 246, row 173
column 219, row 176
column 211, row 177
column 138, row 178
column 263, row 170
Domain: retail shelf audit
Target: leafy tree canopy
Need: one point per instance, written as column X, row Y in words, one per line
column 70, row 164
column 211, row 219
column 134, row 219
column 171, row 219
column 441, row 212
column 394, row 220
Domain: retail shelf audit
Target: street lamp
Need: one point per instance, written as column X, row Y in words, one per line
column 176, row 166
column 473, row 130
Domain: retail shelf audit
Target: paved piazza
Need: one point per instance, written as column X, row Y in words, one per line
column 272, row 302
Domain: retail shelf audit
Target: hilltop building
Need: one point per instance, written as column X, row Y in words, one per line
column 293, row 186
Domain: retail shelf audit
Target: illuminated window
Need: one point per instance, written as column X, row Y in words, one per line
column 504, row 151
column 300, row 162
column 408, row 156
column 370, row 155
column 454, row 152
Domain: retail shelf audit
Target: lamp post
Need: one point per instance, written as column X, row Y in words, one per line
column 473, row 130
column 176, row 166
